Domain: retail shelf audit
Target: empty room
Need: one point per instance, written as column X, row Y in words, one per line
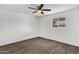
column 39, row 28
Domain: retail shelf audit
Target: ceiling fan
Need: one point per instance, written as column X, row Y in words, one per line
column 39, row 8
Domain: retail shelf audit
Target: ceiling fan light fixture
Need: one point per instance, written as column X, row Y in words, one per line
column 40, row 9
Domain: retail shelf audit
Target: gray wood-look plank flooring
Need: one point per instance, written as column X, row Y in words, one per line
column 38, row 46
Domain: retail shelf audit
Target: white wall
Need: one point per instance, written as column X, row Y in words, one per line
column 68, row 34
column 16, row 27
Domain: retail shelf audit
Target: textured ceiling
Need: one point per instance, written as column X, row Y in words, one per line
column 23, row 8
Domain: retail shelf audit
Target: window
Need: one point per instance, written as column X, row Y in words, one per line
column 59, row 22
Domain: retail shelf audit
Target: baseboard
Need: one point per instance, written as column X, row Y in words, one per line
column 25, row 37
column 49, row 38
column 31, row 36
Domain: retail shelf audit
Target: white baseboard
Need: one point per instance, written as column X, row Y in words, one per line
column 51, row 38
column 21, row 38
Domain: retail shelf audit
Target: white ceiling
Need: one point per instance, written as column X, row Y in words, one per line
column 23, row 8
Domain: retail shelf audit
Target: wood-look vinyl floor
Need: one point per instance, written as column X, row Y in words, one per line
column 38, row 46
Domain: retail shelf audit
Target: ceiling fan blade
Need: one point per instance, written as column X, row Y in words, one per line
column 42, row 12
column 34, row 11
column 46, row 9
column 32, row 8
column 40, row 7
